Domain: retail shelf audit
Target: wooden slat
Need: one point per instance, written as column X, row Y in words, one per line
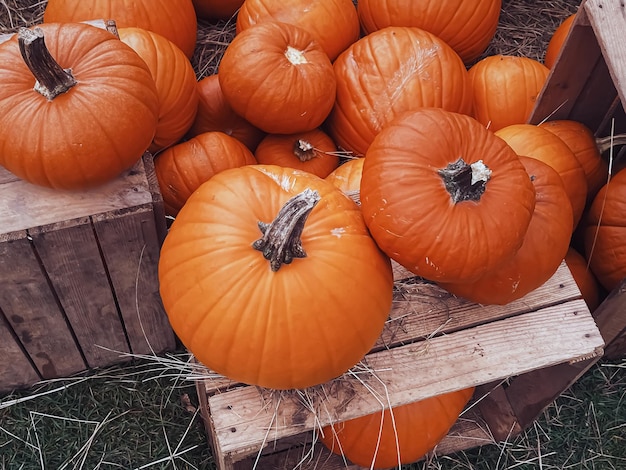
column 610, row 317
column 16, row 371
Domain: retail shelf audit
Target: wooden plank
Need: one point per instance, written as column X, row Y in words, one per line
column 130, row 246
column 33, row 312
column 16, row 371
column 610, row 317
column 158, row 206
column 243, row 418
column 6, row 176
column 71, row 257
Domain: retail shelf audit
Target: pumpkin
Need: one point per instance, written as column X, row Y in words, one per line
column 347, row 177
column 334, row 24
column 175, row 81
column 402, row 435
column 174, row 19
column 182, row 168
column 587, row 150
column 216, row 9
column 74, row 128
column 269, row 276
column 390, row 71
column 557, row 40
column 467, row 26
column 215, row 114
column 313, row 151
column 604, row 232
column 278, row 78
column 444, row 197
column 536, row 142
column 584, row 278
column 545, row 244
column 505, row 89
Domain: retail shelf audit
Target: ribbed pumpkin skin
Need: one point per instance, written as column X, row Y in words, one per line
column 302, row 325
column 390, row 71
column 215, row 114
column 533, row 141
column 585, row 279
column 216, row 9
column 278, row 149
column 467, row 26
column 182, row 168
column 88, row 135
column 605, row 233
column 557, row 40
column 505, row 89
column 347, row 177
column 334, row 24
column 545, row 244
column 411, row 214
column 175, row 81
column 414, row 431
column 278, row 78
column 174, row 19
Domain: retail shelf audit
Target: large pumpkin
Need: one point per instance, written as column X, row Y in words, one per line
column 79, row 128
column 175, row 81
column 466, row 25
column 388, row 72
column 545, row 244
column 270, row 277
column 445, row 197
column 174, row 19
column 278, row 77
column 334, row 24
column 398, row 436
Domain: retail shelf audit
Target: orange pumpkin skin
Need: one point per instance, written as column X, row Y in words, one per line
column 604, row 232
column 216, row 9
column 347, row 177
column 174, row 19
column 334, row 24
column 536, row 142
column 385, row 74
column 302, row 325
column 88, row 135
column 292, row 87
column 215, row 114
column 412, row 214
column 378, row 441
column 467, row 26
column 545, row 244
column 182, row 168
column 585, row 279
column 313, row 151
column 505, row 89
column 580, row 139
column 175, row 81
column 557, row 40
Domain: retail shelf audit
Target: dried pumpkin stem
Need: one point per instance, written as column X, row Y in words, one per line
column 281, row 241
column 304, row 150
column 52, row 79
column 465, row 182
column 605, row 143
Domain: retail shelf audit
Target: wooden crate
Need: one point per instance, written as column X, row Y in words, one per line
column 433, row 343
column 79, row 276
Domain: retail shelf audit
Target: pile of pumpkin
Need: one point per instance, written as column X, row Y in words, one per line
column 277, row 270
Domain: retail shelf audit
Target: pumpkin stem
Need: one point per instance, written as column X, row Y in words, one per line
column 605, row 143
column 304, row 150
column 52, row 79
column 281, row 241
column 465, row 182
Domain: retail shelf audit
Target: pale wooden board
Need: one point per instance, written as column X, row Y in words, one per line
column 71, row 257
column 499, row 349
column 130, row 246
column 32, row 311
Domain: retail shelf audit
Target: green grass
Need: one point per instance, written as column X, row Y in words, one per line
column 144, row 415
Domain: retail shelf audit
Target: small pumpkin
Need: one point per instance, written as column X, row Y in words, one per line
column 347, row 177
column 545, row 244
column 584, row 278
column 182, row 168
column 278, row 78
column 313, row 151
column 557, row 40
column 444, row 197
column 505, row 89
column 215, row 114
column 269, row 276
column 80, row 113
column 402, row 435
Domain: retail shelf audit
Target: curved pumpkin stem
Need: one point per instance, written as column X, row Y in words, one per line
column 465, row 182
column 281, row 241
column 304, row 150
column 52, row 79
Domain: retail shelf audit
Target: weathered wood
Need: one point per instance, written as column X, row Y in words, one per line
column 610, row 317
column 16, row 371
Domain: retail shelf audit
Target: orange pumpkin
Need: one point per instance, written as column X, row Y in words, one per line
column 505, row 89
column 585, row 279
column 270, row 277
column 557, row 40
column 347, row 177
